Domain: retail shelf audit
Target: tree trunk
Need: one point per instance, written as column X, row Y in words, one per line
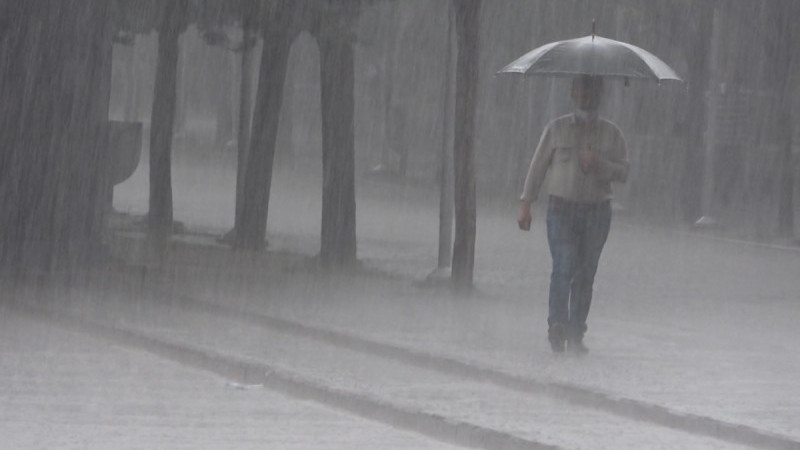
column 446, row 160
column 781, row 15
column 52, row 161
column 338, row 234
column 163, row 120
column 467, row 21
column 250, row 36
column 786, row 219
column 251, row 221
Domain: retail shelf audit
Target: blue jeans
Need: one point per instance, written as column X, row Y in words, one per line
column 576, row 233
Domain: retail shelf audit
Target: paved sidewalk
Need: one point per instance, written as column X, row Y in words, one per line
column 708, row 363
column 61, row 389
column 696, row 324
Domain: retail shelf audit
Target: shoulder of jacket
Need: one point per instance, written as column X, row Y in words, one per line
column 609, row 124
column 566, row 119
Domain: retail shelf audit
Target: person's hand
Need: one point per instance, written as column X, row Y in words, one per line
column 588, row 161
column 525, row 218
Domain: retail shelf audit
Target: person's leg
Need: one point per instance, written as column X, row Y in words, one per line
column 561, row 238
column 595, row 229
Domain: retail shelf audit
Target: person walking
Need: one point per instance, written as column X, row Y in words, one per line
column 577, row 158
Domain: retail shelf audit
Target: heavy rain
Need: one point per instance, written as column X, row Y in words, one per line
column 301, row 224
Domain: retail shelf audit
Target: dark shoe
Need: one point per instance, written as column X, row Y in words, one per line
column 557, row 337
column 577, row 347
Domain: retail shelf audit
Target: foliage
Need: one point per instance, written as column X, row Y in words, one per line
column 136, row 16
column 132, row 17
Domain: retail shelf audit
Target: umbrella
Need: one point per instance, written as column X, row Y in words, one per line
column 592, row 55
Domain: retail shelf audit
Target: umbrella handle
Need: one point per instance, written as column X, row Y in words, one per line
column 594, row 28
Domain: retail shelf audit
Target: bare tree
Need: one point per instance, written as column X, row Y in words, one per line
column 467, row 19
column 338, row 234
column 781, row 56
column 250, row 26
column 55, row 55
column 172, row 23
column 332, row 23
column 213, row 17
column 279, row 31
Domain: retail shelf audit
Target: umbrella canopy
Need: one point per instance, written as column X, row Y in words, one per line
column 592, row 55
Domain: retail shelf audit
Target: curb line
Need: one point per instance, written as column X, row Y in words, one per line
column 250, row 371
column 628, row 408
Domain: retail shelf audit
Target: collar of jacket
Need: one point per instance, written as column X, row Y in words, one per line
column 585, row 117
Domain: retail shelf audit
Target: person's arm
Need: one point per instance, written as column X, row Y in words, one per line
column 534, row 179
column 525, row 218
column 538, row 168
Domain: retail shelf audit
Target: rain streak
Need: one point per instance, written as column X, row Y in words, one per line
column 410, row 224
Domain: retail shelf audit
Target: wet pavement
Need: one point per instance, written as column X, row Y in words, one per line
column 684, row 326
column 64, row 389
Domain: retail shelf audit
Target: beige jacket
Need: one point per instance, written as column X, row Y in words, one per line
column 556, row 163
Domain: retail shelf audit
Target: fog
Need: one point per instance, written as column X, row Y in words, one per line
column 199, row 339
column 680, row 173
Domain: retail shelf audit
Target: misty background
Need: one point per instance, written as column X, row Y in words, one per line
column 721, row 146
column 139, row 306
column 400, row 81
